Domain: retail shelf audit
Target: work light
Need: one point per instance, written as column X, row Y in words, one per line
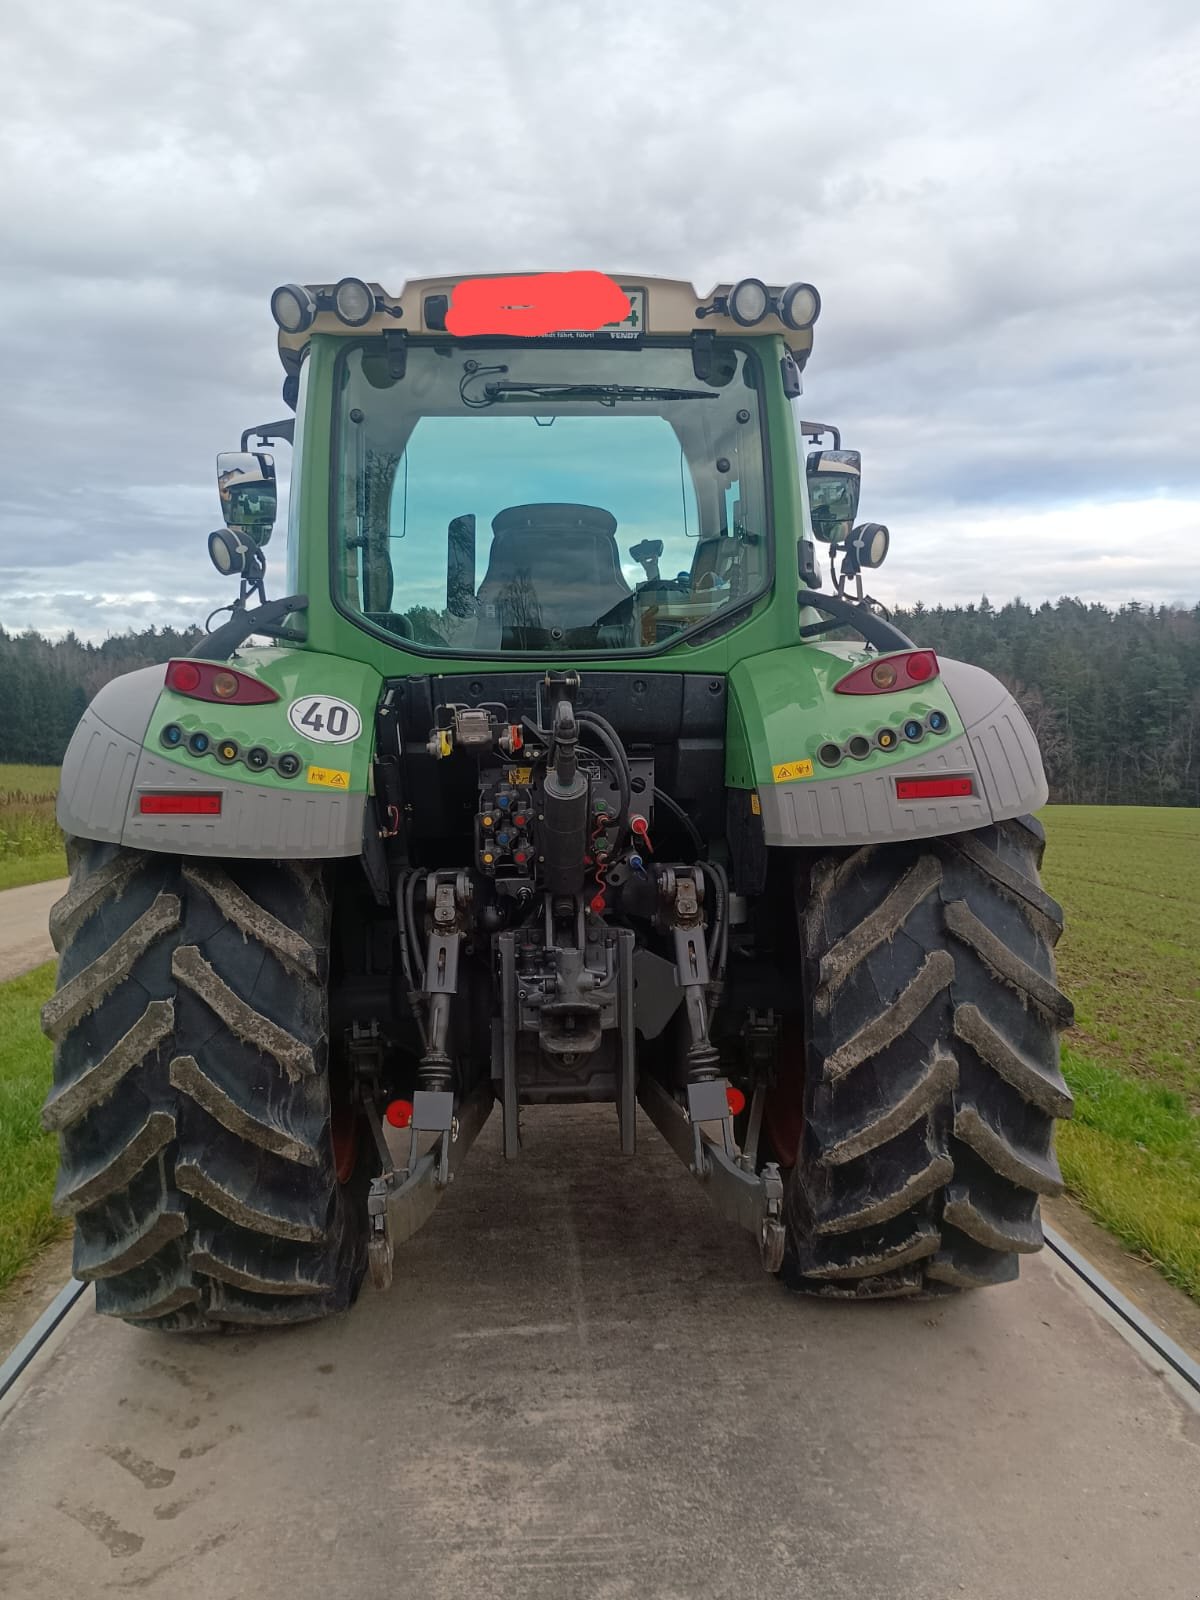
column 869, row 544
column 799, row 306
column 354, row 302
column 293, row 307
column 227, row 550
column 748, row 302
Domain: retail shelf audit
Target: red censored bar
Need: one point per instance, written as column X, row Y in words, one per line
column 541, row 303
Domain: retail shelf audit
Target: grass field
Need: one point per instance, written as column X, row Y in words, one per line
column 1129, row 881
column 30, row 844
column 27, row 1155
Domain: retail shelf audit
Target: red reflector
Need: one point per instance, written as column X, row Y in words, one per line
column 933, row 788
column 206, row 680
column 737, row 1100
column 399, row 1113
column 180, row 805
column 889, row 673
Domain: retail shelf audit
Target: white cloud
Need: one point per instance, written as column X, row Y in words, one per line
column 996, row 200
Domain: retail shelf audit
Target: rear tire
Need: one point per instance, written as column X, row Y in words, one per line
column 191, row 1091
column 931, row 1059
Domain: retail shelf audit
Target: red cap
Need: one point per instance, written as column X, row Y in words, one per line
column 399, row 1113
column 736, row 1099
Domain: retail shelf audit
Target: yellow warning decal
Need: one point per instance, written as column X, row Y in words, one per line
column 521, row 776
column 755, row 803
column 788, row 770
column 329, row 777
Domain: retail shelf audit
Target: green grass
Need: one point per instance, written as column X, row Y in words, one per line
column 31, row 848
column 28, row 1157
column 1129, row 882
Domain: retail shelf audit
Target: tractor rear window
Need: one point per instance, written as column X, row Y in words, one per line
column 540, row 498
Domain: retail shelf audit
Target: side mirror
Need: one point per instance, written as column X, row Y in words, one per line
column 834, row 480
column 246, row 486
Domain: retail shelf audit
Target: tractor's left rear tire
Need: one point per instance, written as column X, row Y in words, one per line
column 192, row 1092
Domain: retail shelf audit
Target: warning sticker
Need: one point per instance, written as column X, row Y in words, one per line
column 329, row 777
column 755, row 803
column 521, row 776
column 787, row 770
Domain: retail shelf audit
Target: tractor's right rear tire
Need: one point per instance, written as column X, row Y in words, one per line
column 192, row 1092
column 931, row 1064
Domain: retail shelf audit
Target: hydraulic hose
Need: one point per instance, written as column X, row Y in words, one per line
column 608, row 737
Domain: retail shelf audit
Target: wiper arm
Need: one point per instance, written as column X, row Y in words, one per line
column 605, row 394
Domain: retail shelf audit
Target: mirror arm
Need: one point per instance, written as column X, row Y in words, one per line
column 874, row 629
column 268, row 619
column 266, row 431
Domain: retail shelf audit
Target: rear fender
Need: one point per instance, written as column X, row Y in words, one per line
column 783, row 710
column 120, row 753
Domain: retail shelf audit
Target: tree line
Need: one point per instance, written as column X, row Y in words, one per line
column 1113, row 695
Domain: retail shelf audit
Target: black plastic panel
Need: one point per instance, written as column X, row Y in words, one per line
column 677, row 718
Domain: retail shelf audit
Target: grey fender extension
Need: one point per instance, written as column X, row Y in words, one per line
column 997, row 748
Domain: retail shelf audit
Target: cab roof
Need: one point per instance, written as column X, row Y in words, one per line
column 657, row 306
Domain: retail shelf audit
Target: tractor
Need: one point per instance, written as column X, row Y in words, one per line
column 575, row 767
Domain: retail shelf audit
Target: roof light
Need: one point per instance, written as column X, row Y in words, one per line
column 293, row 307
column 903, row 670
column 934, row 788
column 354, row 302
column 748, row 302
column 180, row 803
column 204, row 680
column 799, row 306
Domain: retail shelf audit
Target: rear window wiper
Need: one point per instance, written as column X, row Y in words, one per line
column 605, row 394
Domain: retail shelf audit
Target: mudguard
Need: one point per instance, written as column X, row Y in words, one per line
column 783, row 712
column 125, row 751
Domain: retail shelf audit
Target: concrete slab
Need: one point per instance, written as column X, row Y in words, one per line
column 583, row 1385
column 24, row 936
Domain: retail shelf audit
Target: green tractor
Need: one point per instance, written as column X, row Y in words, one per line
column 578, row 768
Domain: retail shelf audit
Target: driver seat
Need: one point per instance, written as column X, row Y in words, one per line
column 551, row 567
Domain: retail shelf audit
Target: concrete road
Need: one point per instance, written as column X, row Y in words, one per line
column 24, row 939
column 583, row 1386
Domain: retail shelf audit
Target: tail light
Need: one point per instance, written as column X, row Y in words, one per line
column 934, row 788
column 203, row 680
column 889, row 673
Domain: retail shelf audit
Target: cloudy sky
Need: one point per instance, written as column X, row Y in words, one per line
column 998, row 201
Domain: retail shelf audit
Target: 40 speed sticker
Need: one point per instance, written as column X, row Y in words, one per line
column 328, row 721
